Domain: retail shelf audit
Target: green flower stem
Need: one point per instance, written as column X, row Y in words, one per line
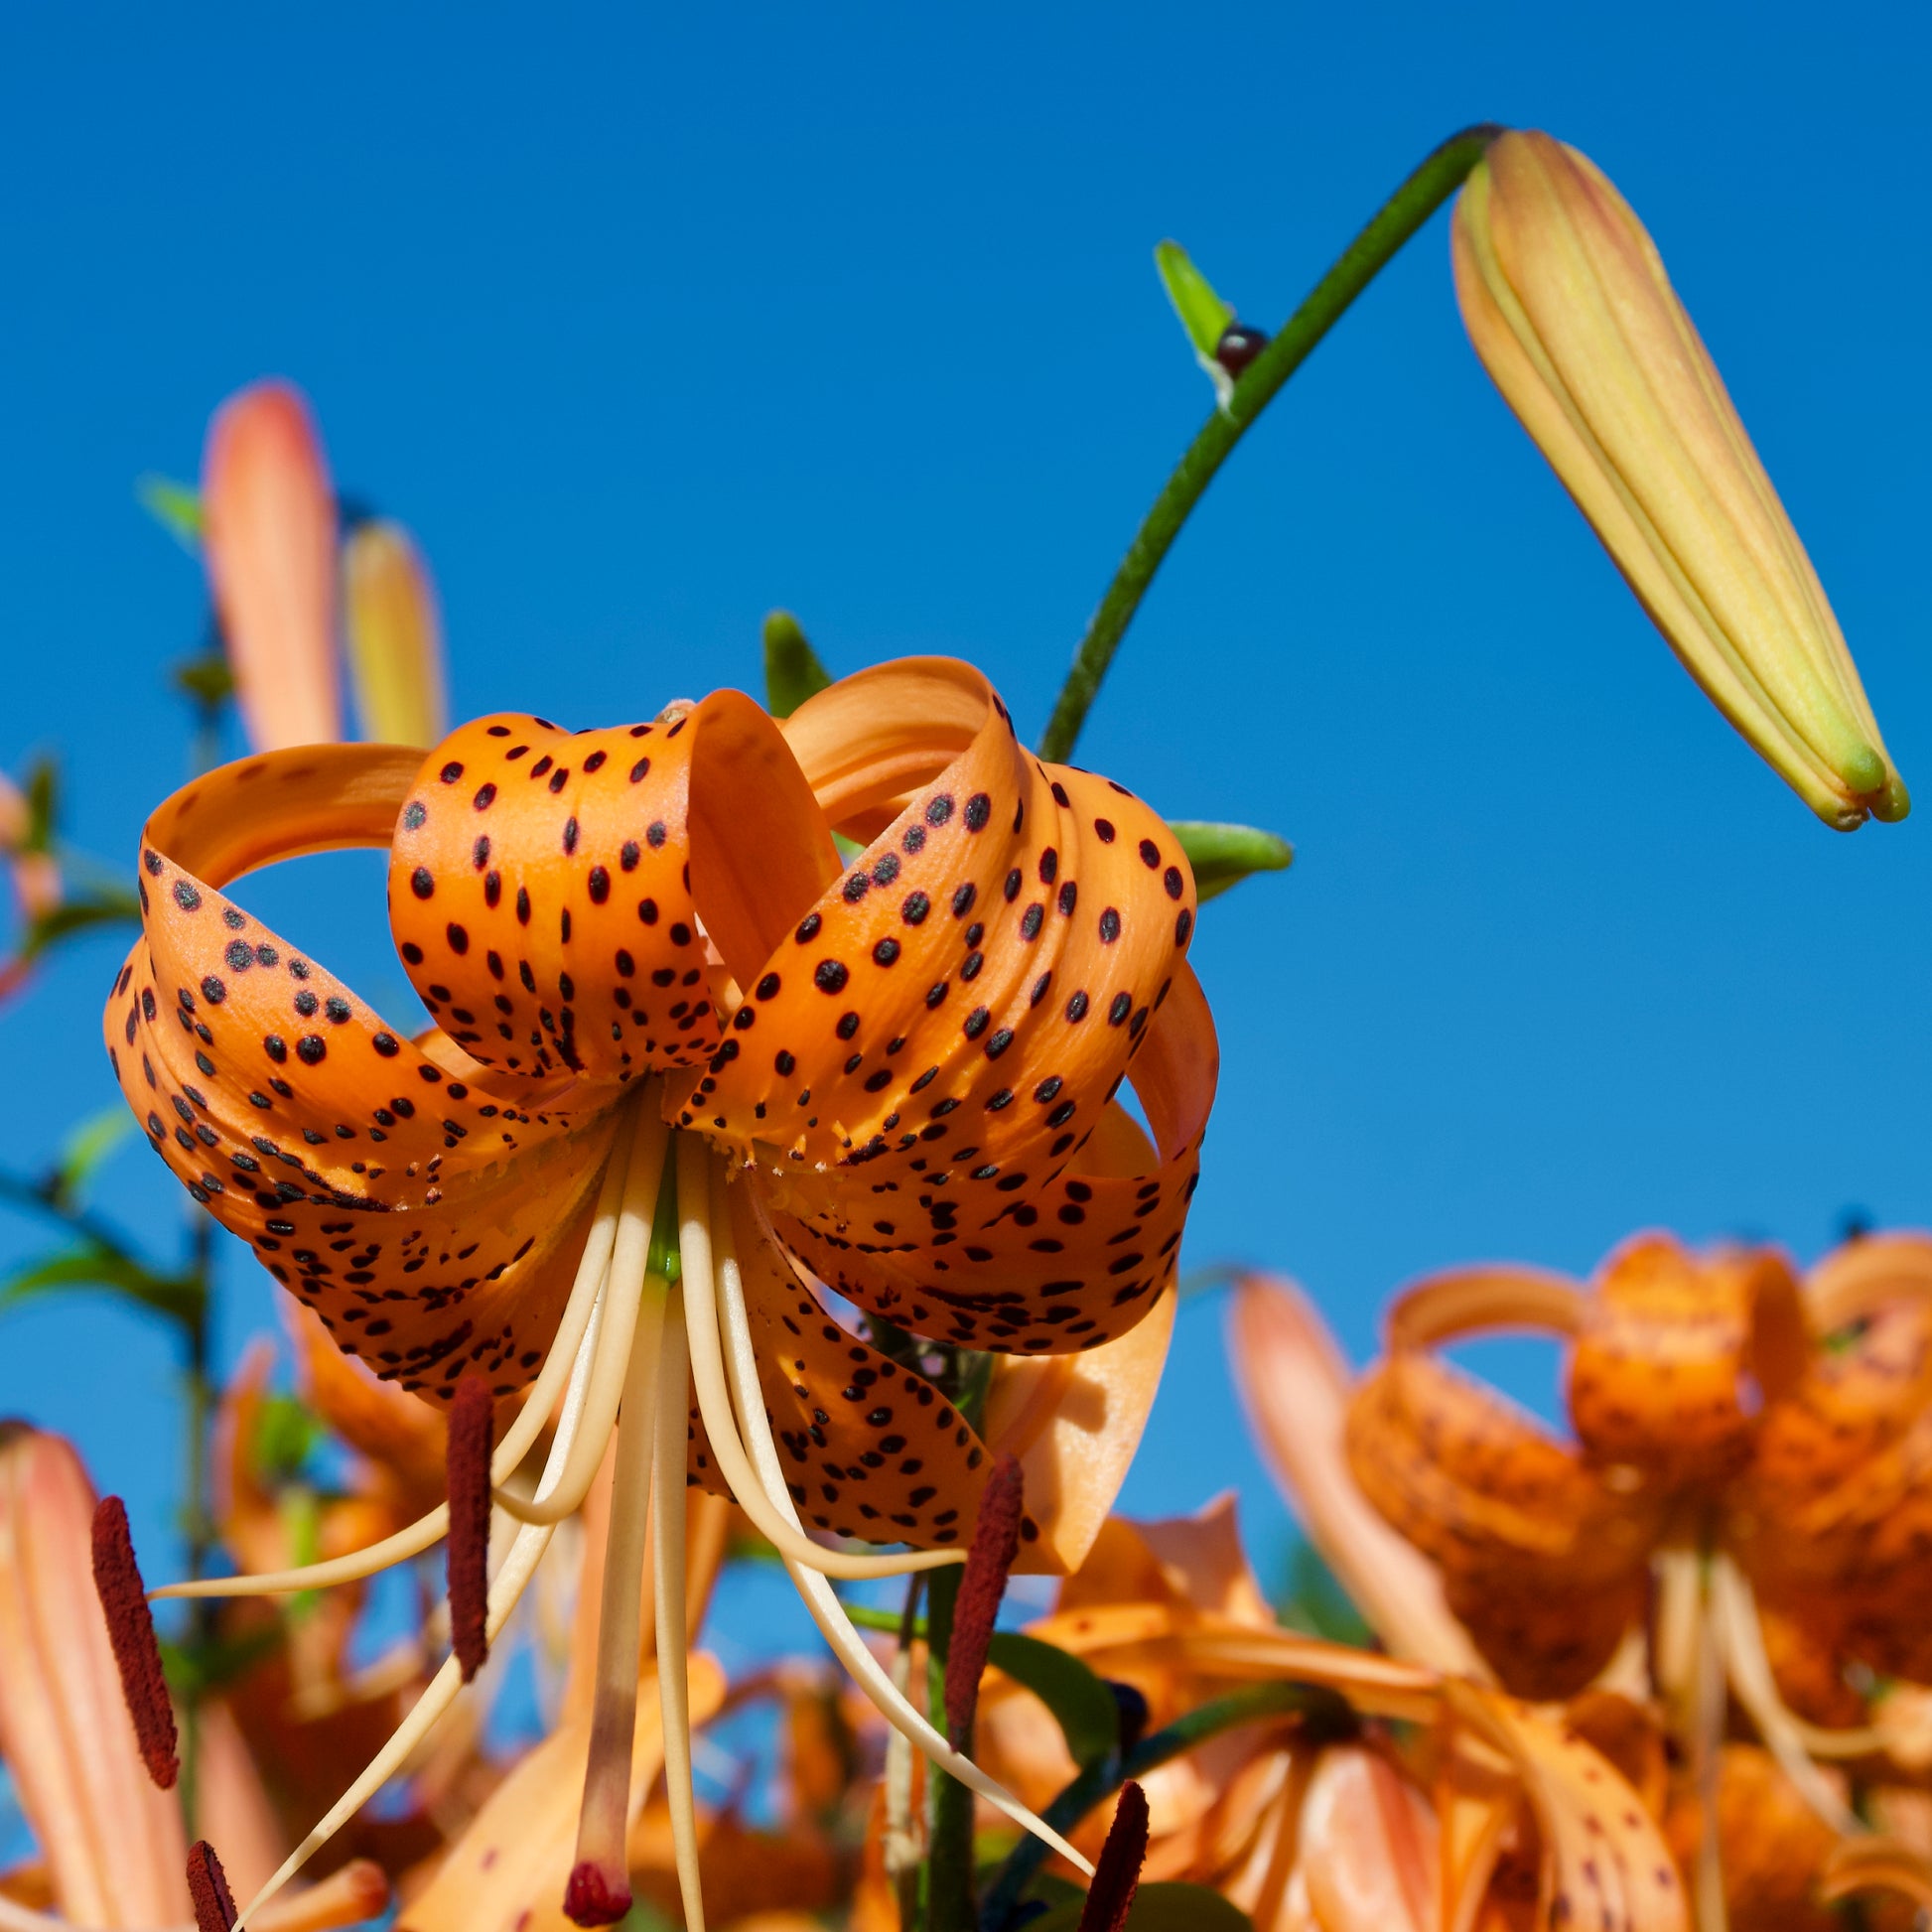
column 1432, row 183
column 1098, row 1781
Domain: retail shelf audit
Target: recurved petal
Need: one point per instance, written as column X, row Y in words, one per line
column 1541, row 1561
column 963, row 1002
column 1773, row 1848
column 1604, row 1862
column 1371, row 1846
column 395, row 636
column 1678, row 1353
column 1295, row 1385
column 553, row 891
column 112, row 1841
column 1070, row 1258
column 423, row 1216
column 269, row 537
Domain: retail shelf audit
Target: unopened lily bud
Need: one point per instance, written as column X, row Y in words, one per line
column 269, row 537
column 395, row 637
column 1568, row 304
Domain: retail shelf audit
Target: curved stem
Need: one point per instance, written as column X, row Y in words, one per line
column 1432, row 183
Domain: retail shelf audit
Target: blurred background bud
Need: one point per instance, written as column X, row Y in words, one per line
column 395, row 636
column 269, row 535
column 1568, row 304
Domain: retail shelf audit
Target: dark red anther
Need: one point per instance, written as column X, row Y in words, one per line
column 208, row 1886
column 1117, row 1876
column 591, row 1899
column 472, row 1416
column 1239, row 346
column 995, row 1541
column 137, row 1652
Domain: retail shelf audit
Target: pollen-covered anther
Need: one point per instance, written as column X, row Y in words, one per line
column 590, row 1897
column 469, row 1444
column 995, row 1545
column 130, row 1630
column 1117, row 1878
column 208, row 1886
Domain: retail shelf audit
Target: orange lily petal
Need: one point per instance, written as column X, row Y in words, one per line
column 1604, row 1862
column 1867, row 1273
column 269, row 538
column 540, row 885
column 1876, row 1863
column 1191, row 1562
column 1677, row 1353
column 395, row 636
column 1293, row 1383
column 1772, row 1846
column 1074, row 1260
column 1371, row 1846
column 302, row 1121
column 1542, row 1561
column 112, row 1843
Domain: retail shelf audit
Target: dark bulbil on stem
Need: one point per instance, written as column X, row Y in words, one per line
column 137, row 1651
column 471, row 1418
column 1432, row 183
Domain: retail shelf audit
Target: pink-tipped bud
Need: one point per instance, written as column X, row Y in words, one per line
column 269, row 537
column 996, row 1542
column 1117, row 1876
column 395, row 637
column 593, row 1897
column 137, row 1651
column 208, row 1886
column 472, row 1416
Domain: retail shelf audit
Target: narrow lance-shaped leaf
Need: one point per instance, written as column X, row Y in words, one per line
column 1085, row 1710
column 1224, row 854
column 176, row 507
column 793, row 671
column 1203, row 315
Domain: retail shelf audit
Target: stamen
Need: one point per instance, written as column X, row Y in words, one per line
column 519, row 1565
column 137, row 1652
column 518, row 1439
column 820, row 1598
column 996, row 1542
column 618, row 1313
column 207, row 1887
column 767, row 1506
column 599, row 1893
column 668, row 1571
column 471, row 1418
column 1117, row 1878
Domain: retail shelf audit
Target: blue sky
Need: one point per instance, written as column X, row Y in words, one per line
column 649, row 324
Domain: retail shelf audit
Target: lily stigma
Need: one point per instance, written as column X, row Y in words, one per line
column 687, row 1062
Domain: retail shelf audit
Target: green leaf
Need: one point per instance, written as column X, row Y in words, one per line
column 194, row 1670
column 1317, row 1602
column 287, row 1432
column 107, row 906
column 1202, row 313
column 93, row 1264
column 176, row 507
column 793, row 672
column 1162, row 1907
column 1224, row 854
column 86, row 1148
column 208, row 679
column 1080, row 1700
column 43, row 789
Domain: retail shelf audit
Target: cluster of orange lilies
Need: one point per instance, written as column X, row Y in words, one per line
column 758, row 1183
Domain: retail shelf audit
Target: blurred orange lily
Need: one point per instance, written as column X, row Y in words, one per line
column 663, row 993
column 112, row 1845
column 1478, row 1812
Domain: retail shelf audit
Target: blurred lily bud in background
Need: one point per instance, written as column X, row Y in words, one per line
column 269, row 537
column 395, row 637
column 1568, row 304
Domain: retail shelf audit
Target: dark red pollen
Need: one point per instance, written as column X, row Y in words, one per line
column 130, row 1630
column 996, row 1542
column 471, row 1415
column 590, row 1899
column 1117, row 1876
column 208, row 1886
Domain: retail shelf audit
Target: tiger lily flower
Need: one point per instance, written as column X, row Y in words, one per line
column 1483, row 1807
column 1569, row 309
column 1734, row 1516
column 114, row 1849
column 664, row 1004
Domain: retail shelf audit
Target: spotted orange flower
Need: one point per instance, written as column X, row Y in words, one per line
column 664, row 1003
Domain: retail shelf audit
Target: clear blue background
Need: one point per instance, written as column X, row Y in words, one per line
column 648, row 323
